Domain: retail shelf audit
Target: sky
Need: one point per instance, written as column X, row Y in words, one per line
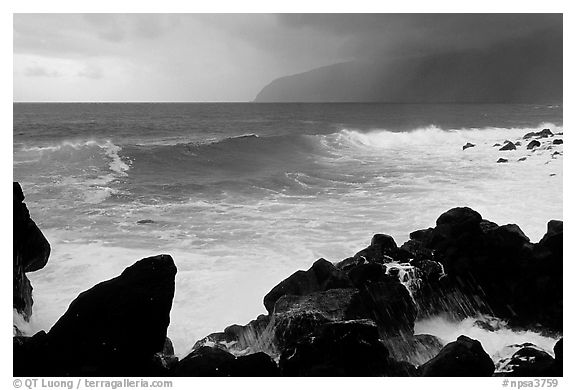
column 226, row 57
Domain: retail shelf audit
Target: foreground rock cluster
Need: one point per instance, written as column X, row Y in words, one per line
column 352, row 318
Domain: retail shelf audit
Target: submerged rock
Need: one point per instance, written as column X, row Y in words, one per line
column 508, row 146
column 464, row 357
column 468, row 145
column 30, row 252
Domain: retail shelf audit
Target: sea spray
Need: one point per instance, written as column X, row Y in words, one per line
column 497, row 339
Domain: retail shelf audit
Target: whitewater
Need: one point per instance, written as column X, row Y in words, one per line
column 241, row 204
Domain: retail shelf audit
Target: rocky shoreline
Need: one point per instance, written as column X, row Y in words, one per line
column 351, row 318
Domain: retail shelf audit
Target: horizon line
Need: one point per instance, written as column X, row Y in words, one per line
column 256, row 102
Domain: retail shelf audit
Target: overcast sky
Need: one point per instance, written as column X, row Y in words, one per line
column 225, row 57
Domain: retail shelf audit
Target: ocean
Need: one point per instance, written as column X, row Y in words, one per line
column 243, row 194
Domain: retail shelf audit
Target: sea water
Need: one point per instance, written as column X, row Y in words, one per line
column 243, row 195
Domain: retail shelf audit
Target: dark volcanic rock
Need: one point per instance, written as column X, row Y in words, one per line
column 255, row 365
column 496, row 144
column 557, row 142
column 348, row 348
column 533, row 144
column 205, row 361
column 382, row 249
column 464, row 357
column 530, row 361
column 215, row 362
column 544, row 133
column 508, row 146
column 417, row 349
column 517, row 143
column 30, row 252
column 117, row 326
column 238, row 338
column 386, row 302
column 322, row 276
column 494, row 270
column 502, row 160
column 522, row 159
column 468, row 145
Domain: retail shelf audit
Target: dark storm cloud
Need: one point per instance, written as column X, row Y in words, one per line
column 231, row 56
column 370, row 35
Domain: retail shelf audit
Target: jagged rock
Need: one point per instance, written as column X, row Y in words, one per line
column 533, row 144
column 502, row 160
column 382, row 248
column 117, row 326
column 386, row 302
column 345, row 348
column 508, row 146
column 31, row 251
column 322, row 276
column 494, row 270
column 468, row 145
column 237, row 338
column 417, row 349
column 364, row 274
column 464, row 357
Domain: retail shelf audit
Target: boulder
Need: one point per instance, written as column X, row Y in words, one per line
column 204, row 361
column 557, row 141
column 468, row 145
column 117, row 326
column 502, row 160
column 216, row 362
column 31, row 251
column 382, row 249
column 464, row 357
column 544, row 133
column 533, row 144
column 343, row 348
column 522, row 159
column 322, row 276
column 386, row 302
column 493, row 270
column 508, row 146
column 530, row 361
column 496, row 144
